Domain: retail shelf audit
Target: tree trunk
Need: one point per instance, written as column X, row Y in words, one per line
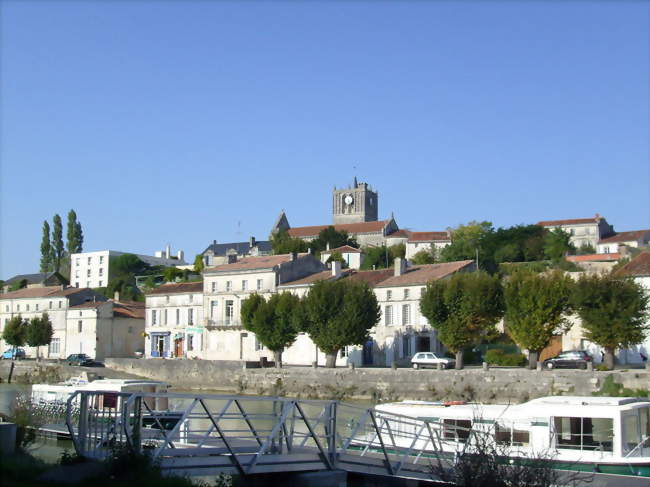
column 330, row 359
column 459, row 360
column 609, row 358
column 277, row 356
column 533, row 357
column 11, row 371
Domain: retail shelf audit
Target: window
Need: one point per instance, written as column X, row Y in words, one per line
column 190, row 316
column 7, row 307
column 259, row 284
column 606, row 250
column 584, row 433
column 213, row 309
column 81, row 313
column 153, row 317
column 27, row 307
column 80, row 326
column 406, row 346
column 36, row 306
column 17, row 307
column 76, row 274
column 167, row 299
column 54, row 345
column 345, row 352
column 76, row 284
column 190, row 343
column 87, row 283
column 456, row 429
column 406, row 314
column 89, row 260
column 101, row 259
column 130, row 329
column 100, row 283
column 406, row 293
column 191, row 298
column 389, row 295
column 229, row 312
column 214, row 286
column 228, row 285
column 165, row 316
column 388, row 313
column 101, row 271
column 49, row 305
column 77, row 262
column 244, row 285
column 509, row 435
column 178, row 316
column 636, row 431
column 61, row 302
column 422, row 289
column 258, row 345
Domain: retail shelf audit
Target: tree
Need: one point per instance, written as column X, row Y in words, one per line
column 332, row 238
column 46, row 249
column 466, row 241
column 283, row 243
column 171, row 274
column 21, row 284
column 57, row 242
column 274, row 322
column 613, row 312
column 336, row 256
column 382, row 257
column 557, row 244
column 338, row 314
column 535, row 309
column 74, row 234
column 14, row 332
column 38, row 332
column 424, row 257
column 464, row 309
column 127, row 264
column 199, row 264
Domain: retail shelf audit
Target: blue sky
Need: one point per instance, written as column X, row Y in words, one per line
column 183, row 122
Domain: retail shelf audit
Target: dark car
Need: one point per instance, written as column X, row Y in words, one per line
column 575, row 359
column 78, row 359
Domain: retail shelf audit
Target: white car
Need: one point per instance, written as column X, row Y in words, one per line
column 429, row 359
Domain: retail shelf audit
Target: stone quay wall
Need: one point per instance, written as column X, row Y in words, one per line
column 378, row 384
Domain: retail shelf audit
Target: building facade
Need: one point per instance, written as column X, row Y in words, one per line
column 219, row 253
column 583, row 231
column 635, row 239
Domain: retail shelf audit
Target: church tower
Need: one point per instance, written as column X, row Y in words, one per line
column 358, row 203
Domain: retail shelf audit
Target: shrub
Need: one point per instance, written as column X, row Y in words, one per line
column 499, row 357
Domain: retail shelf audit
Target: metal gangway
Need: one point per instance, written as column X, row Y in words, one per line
column 197, row 434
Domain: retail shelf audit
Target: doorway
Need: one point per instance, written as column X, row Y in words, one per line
column 423, row 343
column 178, row 347
column 367, row 352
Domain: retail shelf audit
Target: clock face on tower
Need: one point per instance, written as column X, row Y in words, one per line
column 348, row 199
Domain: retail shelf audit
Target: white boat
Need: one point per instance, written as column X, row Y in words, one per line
column 595, row 434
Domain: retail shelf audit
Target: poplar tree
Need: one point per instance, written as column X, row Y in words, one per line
column 46, row 249
column 57, row 242
column 74, row 234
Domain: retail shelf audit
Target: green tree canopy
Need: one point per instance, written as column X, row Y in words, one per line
column 586, row 249
column 424, row 257
column 557, row 244
column 464, row 309
column 126, row 264
column 382, row 257
column 74, row 234
column 283, row 243
column 334, row 238
column 57, row 243
column 274, row 322
column 536, row 307
column 20, row 284
column 199, row 264
column 14, row 331
column 613, row 312
column 46, row 249
column 338, row 314
column 39, row 332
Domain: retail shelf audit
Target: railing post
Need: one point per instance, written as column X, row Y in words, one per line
column 331, row 441
column 83, row 422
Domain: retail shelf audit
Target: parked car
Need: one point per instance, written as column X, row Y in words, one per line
column 78, row 359
column 430, row 359
column 575, row 359
column 15, row 353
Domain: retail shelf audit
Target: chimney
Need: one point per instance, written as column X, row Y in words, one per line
column 232, row 258
column 251, row 242
column 400, row 266
column 116, row 296
column 168, row 251
column 180, row 255
column 336, row 268
column 214, row 242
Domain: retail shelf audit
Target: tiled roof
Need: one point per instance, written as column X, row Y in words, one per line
column 575, row 221
column 401, row 234
column 428, row 236
column 242, row 248
column 345, row 249
column 31, row 278
column 249, row 263
column 351, row 228
column 421, row 274
column 41, row 292
column 639, row 266
column 372, row 278
column 593, row 258
column 318, row 276
column 177, row 288
column 129, row 309
column 625, row 237
column 89, row 305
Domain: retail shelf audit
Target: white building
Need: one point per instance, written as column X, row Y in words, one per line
column 218, row 253
column 427, row 241
column 583, row 231
column 82, row 320
column 636, row 239
column 175, row 326
column 92, row 269
column 352, row 257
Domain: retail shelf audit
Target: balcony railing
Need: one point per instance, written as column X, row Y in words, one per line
column 220, row 324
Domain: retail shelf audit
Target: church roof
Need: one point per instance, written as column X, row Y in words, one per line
column 351, row 228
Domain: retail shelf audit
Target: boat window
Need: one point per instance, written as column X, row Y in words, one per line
column 456, row 429
column 584, row 433
column 636, row 431
column 509, row 435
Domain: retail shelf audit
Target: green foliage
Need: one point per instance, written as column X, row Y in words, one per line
column 74, row 234
column 199, row 264
column 497, row 356
column 464, row 309
column 586, row 249
column 424, row 257
column 283, row 243
column 466, row 240
column 14, row 331
column 610, row 388
column 336, row 256
column 338, row 314
column 334, row 238
column 557, row 244
column 613, row 312
column 39, row 331
column 126, row 264
column 21, row 284
column 382, row 257
column 171, row 274
column 275, row 322
column 57, row 243
column 536, row 307
column 46, row 249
